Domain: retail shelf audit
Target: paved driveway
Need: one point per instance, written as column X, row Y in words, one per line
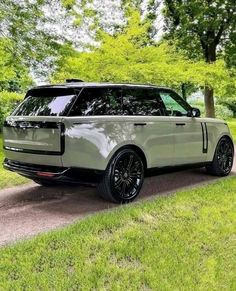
column 32, row 209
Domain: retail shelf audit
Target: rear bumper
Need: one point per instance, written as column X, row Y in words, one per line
column 71, row 175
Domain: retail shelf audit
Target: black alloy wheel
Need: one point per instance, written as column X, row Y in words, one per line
column 123, row 177
column 223, row 159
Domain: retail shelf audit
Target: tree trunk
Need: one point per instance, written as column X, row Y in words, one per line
column 209, row 102
column 210, row 57
column 183, row 89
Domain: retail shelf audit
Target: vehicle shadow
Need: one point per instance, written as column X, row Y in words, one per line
column 79, row 201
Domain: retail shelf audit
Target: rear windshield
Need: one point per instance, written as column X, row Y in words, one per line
column 49, row 102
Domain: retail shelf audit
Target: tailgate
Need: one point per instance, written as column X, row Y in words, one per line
column 34, row 139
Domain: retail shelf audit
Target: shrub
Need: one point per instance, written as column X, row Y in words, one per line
column 231, row 104
column 223, row 111
column 8, row 101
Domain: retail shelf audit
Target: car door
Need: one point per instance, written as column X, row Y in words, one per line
column 150, row 128
column 188, row 131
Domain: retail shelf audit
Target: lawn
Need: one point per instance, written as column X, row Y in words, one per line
column 181, row 242
column 7, row 178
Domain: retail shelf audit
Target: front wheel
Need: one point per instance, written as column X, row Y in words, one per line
column 223, row 158
column 123, row 178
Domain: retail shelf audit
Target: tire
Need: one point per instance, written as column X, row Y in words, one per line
column 223, row 158
column 123, row 177
column 46, row 183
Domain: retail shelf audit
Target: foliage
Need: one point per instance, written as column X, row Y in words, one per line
column 201, row 26
column 14, row 76
column 32, row 33
column 223, row 111
column 186, row 242
column 231, row 104
column 232, row 127
column 130, row 57
column 8, row 101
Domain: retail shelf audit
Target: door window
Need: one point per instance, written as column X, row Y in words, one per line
column 142, row 101
column 174, row 104
column 98, row 101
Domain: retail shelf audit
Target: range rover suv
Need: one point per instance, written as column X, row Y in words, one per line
column 109, row 135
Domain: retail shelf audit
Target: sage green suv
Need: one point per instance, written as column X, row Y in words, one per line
column 109, row 135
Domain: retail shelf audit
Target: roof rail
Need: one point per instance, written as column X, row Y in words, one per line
column 73, row 80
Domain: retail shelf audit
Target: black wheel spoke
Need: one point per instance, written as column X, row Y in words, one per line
column 131, row 158
column 127, row 176
column 225, row 156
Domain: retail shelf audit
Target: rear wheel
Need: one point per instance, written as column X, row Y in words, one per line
column 123, row 178
column 223, row 158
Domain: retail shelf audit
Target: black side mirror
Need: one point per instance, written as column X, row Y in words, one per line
column 194, row 112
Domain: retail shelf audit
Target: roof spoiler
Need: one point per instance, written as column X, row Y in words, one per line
column 73, row 80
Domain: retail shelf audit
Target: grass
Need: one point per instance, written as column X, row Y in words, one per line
column 232, row 127
column 181, row 242
column 8, row 179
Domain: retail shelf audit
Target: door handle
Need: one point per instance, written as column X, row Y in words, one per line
column 180, row 124
column 140, row 124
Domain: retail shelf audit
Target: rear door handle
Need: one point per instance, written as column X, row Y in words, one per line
column 140, row 124
column 180, row 124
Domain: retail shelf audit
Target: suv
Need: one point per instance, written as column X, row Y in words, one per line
column 109, row 135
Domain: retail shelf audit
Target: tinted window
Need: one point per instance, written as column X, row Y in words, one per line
column 142, row 101
column 98, row 101
column 48, row 102
column 174, row 104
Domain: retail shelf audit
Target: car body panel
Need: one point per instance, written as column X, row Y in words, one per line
column 93, row 140
column 25, row 141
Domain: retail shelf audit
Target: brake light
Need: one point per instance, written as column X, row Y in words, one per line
column 46, row 174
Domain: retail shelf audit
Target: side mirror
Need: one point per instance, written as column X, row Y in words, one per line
column 194, row 112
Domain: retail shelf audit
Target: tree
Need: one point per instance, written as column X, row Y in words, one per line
column 130, row 56
column 204, row 26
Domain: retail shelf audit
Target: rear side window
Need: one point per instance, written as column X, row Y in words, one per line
column 142, row 101
column 46, row 102
column 98, row 101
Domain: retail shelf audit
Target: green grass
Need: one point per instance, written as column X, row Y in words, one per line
column 8, row 179
column 181, row 242
column 232, row 126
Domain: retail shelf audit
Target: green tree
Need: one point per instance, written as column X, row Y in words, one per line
column 129, row 56
column 206, row 27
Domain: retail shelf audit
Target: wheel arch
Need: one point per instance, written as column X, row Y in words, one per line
column 134, row 147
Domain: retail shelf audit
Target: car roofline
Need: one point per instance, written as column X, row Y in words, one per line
column 79, row 85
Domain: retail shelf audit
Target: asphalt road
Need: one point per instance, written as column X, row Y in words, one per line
column 31, row 209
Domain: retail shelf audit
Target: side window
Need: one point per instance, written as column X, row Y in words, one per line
column 142, row 101
column 174, row 104
column 98, row 101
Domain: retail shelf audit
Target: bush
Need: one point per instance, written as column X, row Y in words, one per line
column 231, row 104
column 8, row 101
column 223, row 111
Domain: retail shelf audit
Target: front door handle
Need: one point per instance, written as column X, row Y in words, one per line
column 140, row 124
column 180, row 124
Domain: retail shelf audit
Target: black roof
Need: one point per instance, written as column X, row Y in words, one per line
column 75, row 85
